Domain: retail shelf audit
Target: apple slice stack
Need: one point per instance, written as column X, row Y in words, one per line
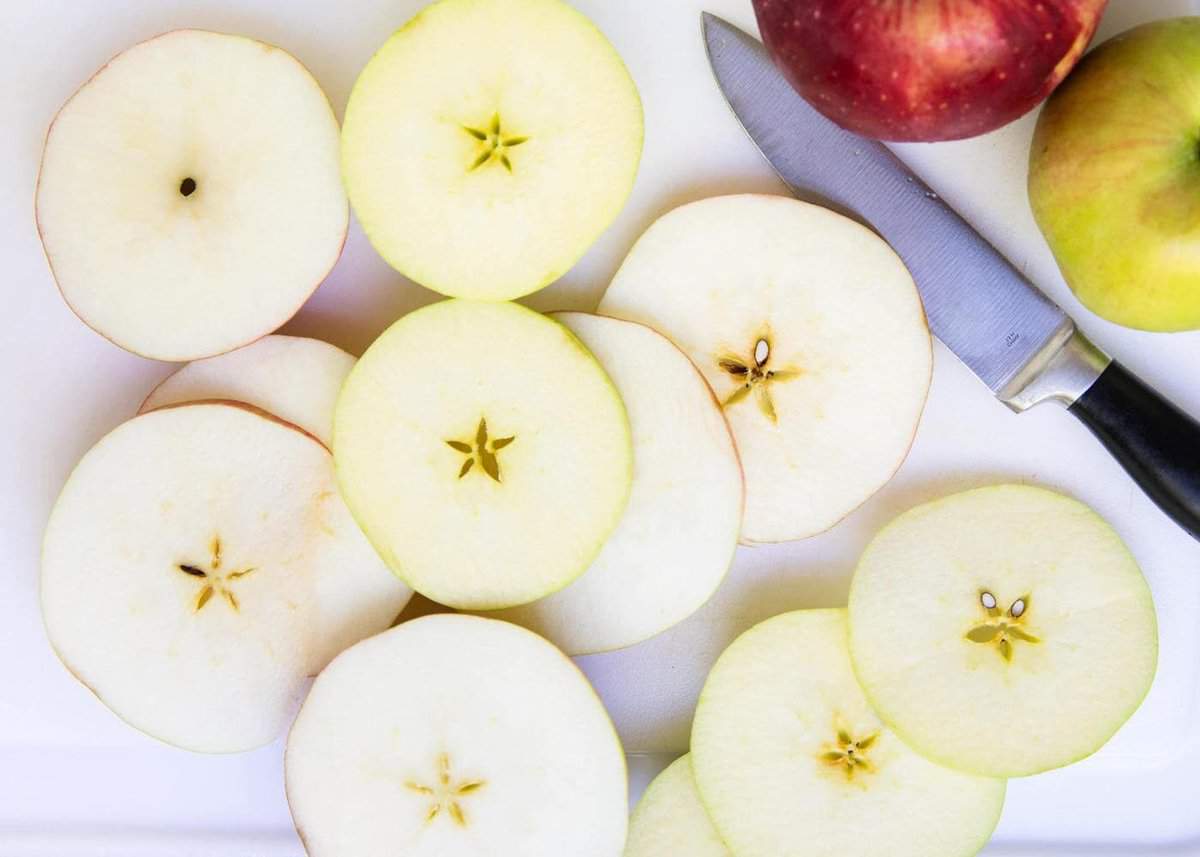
column 967, row 655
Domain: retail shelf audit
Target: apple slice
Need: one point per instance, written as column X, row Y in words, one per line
column 191, row 573
column 678, row 534
column 455, row 736
column 292, row 377
column 189, row 199
column 1004, row 631
column 811, row 332
column 489, row 142
column 790, row 760
column 484, row 452
column 670, row 820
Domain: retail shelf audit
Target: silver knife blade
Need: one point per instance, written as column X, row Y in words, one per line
column 1001, row 326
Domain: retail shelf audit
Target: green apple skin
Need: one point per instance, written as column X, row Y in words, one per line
column 1114, row 177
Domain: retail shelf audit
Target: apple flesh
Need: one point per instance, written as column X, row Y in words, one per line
column 488, row 143
column 678, row 534
column 455, row 736
column 670, row 819
column 189, row 199
column 1003, row 631
column 197, row 566
column 809, row 329
column 291, row 377
column 1114, row 177
column 791, row 761
column 925, row 70
column 484, row 451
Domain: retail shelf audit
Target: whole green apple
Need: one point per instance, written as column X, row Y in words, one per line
column 1114, row 177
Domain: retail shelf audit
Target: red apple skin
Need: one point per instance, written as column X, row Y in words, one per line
column 926, row 70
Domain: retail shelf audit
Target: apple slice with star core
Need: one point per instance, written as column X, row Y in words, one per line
column 484, row 452
column 791, row 761
column 455, row 736
column 670, row 820
column 488, row 143
column 190, row 573
column 678, row 534
column 1004, row 631
column 292, row 377
column 811, row 332
column 189, row 199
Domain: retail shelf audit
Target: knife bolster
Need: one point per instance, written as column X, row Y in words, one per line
column 1063, row 375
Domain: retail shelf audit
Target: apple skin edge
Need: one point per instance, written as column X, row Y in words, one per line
column 50, row 261
column 926, row 70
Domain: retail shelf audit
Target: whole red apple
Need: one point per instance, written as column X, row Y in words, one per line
column 923, row 70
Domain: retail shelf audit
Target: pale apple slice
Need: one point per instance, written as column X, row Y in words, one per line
column 292, row 377
column 186, row 573
column 1004, row 631
column 790, row 760
column 298, row 379
column 812, row 334
column 488, row 143
column 670, row 820
column 678, row 534
column 484, row 452
column 189, row 199
column 455, row 736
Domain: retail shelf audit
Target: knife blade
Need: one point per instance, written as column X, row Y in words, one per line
column 1014, row 338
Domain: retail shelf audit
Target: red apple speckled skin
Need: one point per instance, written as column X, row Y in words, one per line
column 925, row 70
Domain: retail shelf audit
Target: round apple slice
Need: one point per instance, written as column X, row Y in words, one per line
column 670, row 820
column 484, row 452
column 292, row 377
column 455, row 736
column 680, row 529
column 189, row 199
column 790, row 760
column 1004, row 631
column 811, row 332
column 183, row 572
column 489, row 142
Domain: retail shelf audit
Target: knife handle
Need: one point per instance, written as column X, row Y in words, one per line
column 1156, row 442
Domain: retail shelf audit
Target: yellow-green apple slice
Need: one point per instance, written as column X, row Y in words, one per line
column 791, row 761
column 455, row 736
column 484, row 452
column 1004, row 631
column 810, row 330
column 680, row 529
column 183, row 573
column 292, row 377
column 670, row 820
column 488, row 143
column 189, row 199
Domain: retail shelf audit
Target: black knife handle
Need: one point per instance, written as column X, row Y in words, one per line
column 1156, row 442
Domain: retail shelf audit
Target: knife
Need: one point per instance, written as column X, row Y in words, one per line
column 1014, row 338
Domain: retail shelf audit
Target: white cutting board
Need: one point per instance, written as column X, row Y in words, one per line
column 76, row 781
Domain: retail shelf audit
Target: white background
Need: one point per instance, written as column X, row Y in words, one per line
column 74, row 780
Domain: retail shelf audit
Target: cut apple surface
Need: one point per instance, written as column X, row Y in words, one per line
column 488, row 143
column 484, row 452
column 189, row 199
column 456, row 736
column 811, row 332
column 670, row 820
column 791, row 761
column 1004, row 631
column 293, row 377
column 198, row 565
column 678, row 534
